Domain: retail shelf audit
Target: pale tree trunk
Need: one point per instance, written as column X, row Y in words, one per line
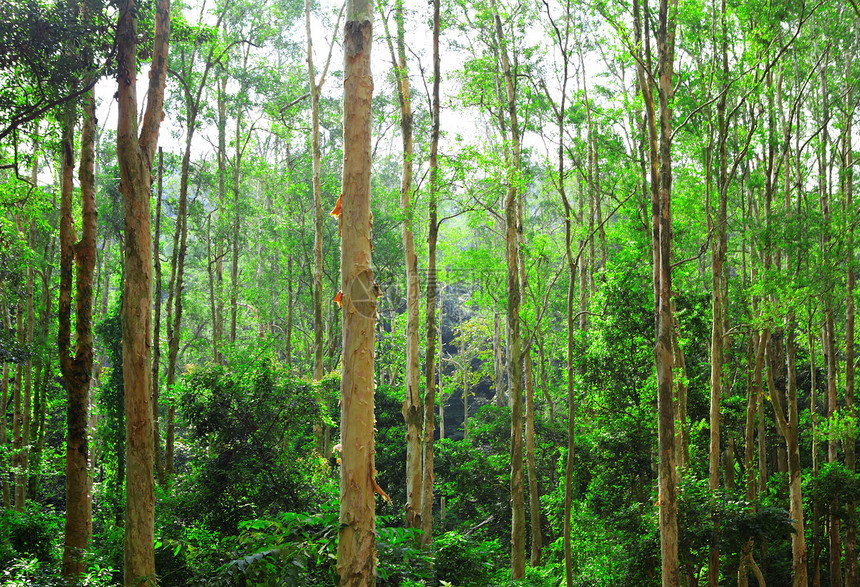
column 412, row 414
column 562, row 37
column 534, row 494
column 4, row 399
column 318, row 208
column 813, row 409
column 323, row 432
column 156, row 331
column 515, row 375
column 441, row 397
column 356, row 547
column 758, row 345
column 77, row 371
column 18, row 442
column 788, row 428
column 218, row 327
column 135, row 155
column 463, row 365
column 718, row 259
column 682, row 434
column 26, row 431
column 662, row 225
column 432, row 283
column 237, row 169
column 851, row 571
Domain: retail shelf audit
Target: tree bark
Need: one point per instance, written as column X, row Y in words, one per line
column 411, row 410
column 135, row 155
column 432, row 283
column 4, row 399
column 77, row 371
column 515, row 375
column 156, row 334
column 852, row 578
column 662, row 224
column 356, row 550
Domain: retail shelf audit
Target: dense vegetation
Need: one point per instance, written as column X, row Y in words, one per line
column 611, row 295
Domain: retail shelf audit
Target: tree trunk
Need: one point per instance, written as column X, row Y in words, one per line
column 515, row 375
column 432, row 283
column 662, row 224
column 18, row 458
column 517, row 485
column 156, row 335
column 412, row 415
column 4, row 399
column 499, row 398
column 356, row 550
column 135, row 155
column 77, row 371
column 852, row 577
column 788, row 428
column 534, row 495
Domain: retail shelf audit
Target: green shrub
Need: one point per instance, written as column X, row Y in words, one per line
column 464, row 562
column 33, row 533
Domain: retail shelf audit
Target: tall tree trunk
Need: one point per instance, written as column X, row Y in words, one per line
column 788, row 428
column 234, row 270
column 4, row 399
column 412, row 415
column 156, row 331
column 356, row 549
column 135, row 155
column 534, row 494
column 319, row 218
column 18, row 442
column 432, row 283
column 662, row 224
column 77, row 371
column 852, row 578
column 515, row 375
column 218, row 328
column 813, row 409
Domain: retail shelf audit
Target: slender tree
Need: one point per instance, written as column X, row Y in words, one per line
column 429, row 370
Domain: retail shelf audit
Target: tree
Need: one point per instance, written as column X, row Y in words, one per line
column 135, row 154
column 433, row 233
column 356, row 547
column 77, row 370
column 412, row 414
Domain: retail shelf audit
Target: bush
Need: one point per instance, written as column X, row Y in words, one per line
column 33, row 533
column 464, row 562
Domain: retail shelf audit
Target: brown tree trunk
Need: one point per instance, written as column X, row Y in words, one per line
column 4, row 399
column 17, row 416
column 156, row 334
column 534, row 494
column 852, row 578
column 412, row 415
column 77, row 371
column 356, row 550
column 788, row 428
column 135, row 155
column 430, row 353
column 662, row 224
column 515, row 375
